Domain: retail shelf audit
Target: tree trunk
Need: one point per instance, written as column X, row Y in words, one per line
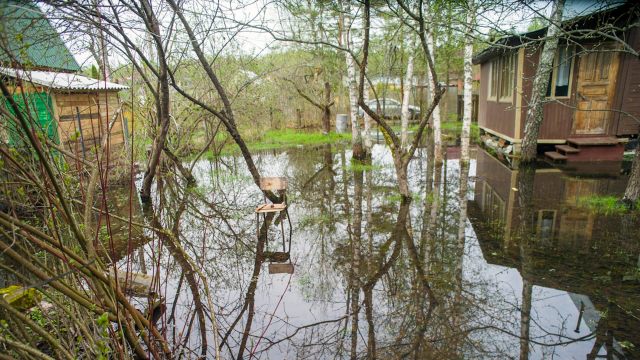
column 406, row 93
column 632, row 194
column 437, row 132
column 540, row 83
column 162, row 107
column 468, row 84
column 326, row 112
column 367, row 121
column 356, row 136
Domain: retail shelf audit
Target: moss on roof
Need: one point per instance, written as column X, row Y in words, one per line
column 28, row 39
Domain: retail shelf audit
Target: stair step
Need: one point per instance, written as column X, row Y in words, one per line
column 593, row 141
column 554, row 155
column 567, row 149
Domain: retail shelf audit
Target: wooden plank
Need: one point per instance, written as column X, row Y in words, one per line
column 273, row 183
column 555, row 155
column 567, row 149
column 281, row 268
column 138, row 284
column 593, row 141
column 267, row 208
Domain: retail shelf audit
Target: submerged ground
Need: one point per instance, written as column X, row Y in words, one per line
column 482, row 272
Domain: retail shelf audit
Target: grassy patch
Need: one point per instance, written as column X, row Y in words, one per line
column 454, row 129
column 607, row 205
column 356, row 165
column 276, row 139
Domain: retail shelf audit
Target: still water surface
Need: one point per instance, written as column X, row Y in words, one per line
column 509, row 265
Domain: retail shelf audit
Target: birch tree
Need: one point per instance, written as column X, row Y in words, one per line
column 632, row 193
column 540, row 83
column 434, row 87
column 406, row 93
column 346, row 40
column 468, row 82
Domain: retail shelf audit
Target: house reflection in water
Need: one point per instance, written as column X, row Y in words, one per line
column 556, row 242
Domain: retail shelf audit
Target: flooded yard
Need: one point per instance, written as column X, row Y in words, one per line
column 501, row 263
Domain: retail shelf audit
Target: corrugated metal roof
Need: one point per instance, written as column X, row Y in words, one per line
column 61, row 81
column 29, row 39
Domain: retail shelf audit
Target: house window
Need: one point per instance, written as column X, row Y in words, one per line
column 560, row 79
column 501, row 78
column 546, row 224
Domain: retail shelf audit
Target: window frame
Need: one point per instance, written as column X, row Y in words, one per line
column 492, row 86
column 554, row 72
column 539, row 218
column 495, row 82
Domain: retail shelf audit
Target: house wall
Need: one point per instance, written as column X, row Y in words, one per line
column 96, row 110
column 628, row 90
column 557, row 124
column 557, row 115
column 495, row 116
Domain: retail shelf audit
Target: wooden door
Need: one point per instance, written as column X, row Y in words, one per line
column 596, row 86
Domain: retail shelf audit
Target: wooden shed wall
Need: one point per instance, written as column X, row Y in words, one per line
column 557, row 115
column 496, row 116
column 96, row 110
column 628, row 90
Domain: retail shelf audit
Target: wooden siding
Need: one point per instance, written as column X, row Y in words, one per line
column 95, row 111
column 557, row 115
column 493, row 115
column 627, row 97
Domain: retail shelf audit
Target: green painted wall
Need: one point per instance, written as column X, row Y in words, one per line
column 40, row 106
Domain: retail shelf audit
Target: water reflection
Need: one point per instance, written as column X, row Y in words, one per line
column 529, row 273
column 577, row 269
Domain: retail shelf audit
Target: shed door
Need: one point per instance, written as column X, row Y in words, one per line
column 596, row 86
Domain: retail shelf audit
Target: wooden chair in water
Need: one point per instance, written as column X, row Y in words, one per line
column 279, row 186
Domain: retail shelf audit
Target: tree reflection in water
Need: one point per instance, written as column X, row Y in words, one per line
column 383, row 276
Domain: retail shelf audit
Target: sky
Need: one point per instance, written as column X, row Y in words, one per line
column 513, row 17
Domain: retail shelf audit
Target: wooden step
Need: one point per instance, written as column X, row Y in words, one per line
column 593, row 141
column 266, row 208
column 555, row 156
column 567, row 149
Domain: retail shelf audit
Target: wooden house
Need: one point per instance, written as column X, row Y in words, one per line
column 72, row 110
column 593, row 96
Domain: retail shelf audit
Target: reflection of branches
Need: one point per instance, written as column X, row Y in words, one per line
column 249, row 301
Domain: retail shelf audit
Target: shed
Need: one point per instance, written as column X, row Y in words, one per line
column 593, row 97
column 71, row 109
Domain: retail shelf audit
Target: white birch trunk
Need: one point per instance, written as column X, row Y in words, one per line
column 406, row 93
column 468, row 84
column 367, row 120
column 356, row 137
column 540, row 83
column 437, row 131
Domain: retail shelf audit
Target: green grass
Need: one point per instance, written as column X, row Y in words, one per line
column 606, row 205
column 356, row 165
column 284, row 138
column 277, row 139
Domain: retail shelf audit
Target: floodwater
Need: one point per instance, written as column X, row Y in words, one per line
column 509, row 265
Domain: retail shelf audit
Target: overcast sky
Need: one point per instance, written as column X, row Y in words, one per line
column 511, row 16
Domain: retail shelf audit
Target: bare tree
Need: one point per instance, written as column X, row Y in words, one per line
column 468, row 81
column 540, row 82
column 406, row 94
column 346, row 41
column 632, row 193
